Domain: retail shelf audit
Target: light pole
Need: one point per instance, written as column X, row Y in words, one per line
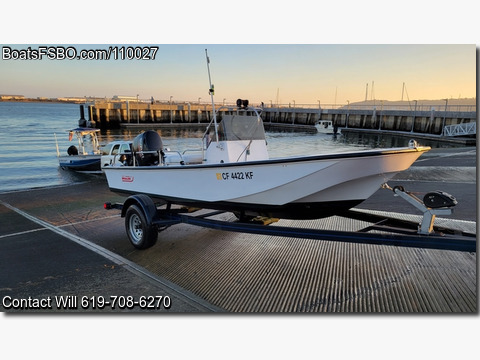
column 444, row 116
column 199, row 111
column 170, row 106
column 293, row 113
column 414, row 114
column 348, row 113
column 319, row 112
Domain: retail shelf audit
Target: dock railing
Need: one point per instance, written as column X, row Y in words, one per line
column 464, row 129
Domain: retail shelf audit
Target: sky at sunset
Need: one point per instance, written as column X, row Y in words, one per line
column 292, row 73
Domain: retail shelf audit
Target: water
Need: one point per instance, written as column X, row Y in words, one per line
column 28, row 156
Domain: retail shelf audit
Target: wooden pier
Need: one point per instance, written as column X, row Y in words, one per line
column 115, row 114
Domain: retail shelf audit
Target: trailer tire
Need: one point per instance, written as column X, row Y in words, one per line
column 141, row 234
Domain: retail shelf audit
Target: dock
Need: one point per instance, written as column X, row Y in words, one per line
column 61, row 242
column 454, row 123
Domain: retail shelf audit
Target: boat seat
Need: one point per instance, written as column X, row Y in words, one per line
column 72, row 150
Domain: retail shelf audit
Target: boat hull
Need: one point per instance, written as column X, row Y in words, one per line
column 296, row 188
column 80, row 162
column 326, row 127
column 327, row 130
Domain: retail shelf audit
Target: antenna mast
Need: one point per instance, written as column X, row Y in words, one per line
column 211, row 91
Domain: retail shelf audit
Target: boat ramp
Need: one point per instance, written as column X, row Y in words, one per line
column 65, row 243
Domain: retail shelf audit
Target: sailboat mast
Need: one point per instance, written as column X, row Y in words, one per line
column 211, row 92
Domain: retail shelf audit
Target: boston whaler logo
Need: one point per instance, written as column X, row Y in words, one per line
column 126, row 178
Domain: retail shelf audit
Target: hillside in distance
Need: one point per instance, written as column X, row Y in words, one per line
column 421, row 104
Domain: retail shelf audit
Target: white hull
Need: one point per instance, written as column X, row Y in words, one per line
column 305, row 187
column 326, row 127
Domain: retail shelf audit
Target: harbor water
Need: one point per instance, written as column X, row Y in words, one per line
column 29, row 133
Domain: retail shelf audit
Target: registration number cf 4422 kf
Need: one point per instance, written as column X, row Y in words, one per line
column 235, row 175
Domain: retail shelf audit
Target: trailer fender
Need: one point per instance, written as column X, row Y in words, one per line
column 145, row 203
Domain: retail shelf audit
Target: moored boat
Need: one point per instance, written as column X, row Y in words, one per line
column 326, row 127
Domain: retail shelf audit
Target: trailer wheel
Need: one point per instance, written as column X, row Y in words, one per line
column 139, row 232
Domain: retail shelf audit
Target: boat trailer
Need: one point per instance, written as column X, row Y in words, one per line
column 144, row 220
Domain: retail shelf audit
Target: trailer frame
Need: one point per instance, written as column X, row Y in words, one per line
column 144, row 219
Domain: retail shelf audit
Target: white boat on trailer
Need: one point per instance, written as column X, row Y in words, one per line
column 232, row 171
